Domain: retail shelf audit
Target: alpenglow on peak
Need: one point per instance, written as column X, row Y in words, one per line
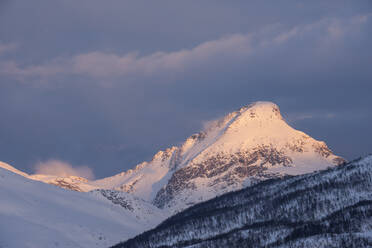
column 262, row 110
column 245, row 146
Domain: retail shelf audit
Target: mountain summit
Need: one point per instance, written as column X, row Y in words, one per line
column 251, row 144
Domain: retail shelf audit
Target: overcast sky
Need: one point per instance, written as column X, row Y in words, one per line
column 106, row 84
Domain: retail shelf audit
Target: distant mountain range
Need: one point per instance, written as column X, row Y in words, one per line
column 239, row 150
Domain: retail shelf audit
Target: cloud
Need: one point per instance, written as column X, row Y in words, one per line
column 60, row 168
column 295, row 117
column 285, row 36
column 102, row 65
column 289, row 56
column 11, row 68
column 98, row 64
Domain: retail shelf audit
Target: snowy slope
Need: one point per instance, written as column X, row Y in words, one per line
column 251, row 144
column 147, row 178
column 68, row 182
column 12, row 169
column 35, row 214
column 331, row 208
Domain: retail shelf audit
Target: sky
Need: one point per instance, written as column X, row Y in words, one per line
column 96, row 87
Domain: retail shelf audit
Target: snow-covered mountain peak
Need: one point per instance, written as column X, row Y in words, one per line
column 256, row 118
column 258, row 126
column 245, row 146
column 266, row 110
column 259, row 111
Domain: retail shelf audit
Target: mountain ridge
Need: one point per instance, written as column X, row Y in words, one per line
column 255, row 136
column 245, row 146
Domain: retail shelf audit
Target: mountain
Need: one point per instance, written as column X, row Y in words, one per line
column 239, row 150
column 331, row 208
column 246, row 146
column 35, row 214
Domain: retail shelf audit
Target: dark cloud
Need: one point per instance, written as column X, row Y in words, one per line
column 72, row 90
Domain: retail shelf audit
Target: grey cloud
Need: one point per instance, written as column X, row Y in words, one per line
column 110, row 65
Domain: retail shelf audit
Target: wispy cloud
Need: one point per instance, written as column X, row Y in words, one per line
column 60, row 168
column 296, row 117
column 13, row 69
column 98, row 64
column 101, row 65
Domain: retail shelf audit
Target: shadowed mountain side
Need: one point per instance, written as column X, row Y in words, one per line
column 331, row 208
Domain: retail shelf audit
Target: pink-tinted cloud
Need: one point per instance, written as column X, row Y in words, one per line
column 98, row 64
column 60, row 168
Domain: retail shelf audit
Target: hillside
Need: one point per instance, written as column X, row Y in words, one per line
column 331, row 208
column 35, row 214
